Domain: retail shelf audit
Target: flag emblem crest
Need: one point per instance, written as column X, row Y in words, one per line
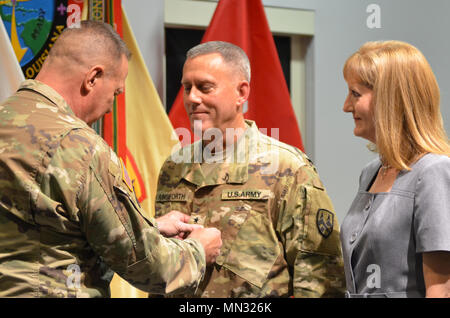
column 324, row 221
column 33, row 27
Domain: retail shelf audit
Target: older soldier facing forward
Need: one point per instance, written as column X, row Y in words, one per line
column 280, row 233
column 68, row 214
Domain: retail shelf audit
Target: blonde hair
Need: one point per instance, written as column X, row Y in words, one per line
column 408, row 120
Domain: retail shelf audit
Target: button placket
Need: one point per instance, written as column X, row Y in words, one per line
column 369, row 204
column 353, row 237
column 366, row 210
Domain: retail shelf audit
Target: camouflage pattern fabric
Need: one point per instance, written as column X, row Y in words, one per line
column 68, row 218
column 279, row 230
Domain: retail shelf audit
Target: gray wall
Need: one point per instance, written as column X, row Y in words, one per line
column 146, row 18
column 340, row 28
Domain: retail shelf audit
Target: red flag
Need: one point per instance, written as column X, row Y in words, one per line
column 244, row 24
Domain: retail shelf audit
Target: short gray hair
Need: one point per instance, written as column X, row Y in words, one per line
column 230, row 53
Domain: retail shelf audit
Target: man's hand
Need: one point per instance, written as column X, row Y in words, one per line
column 174, row 224
column 211, row 240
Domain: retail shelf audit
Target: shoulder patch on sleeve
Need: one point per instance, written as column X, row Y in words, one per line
column 324, row 222
column 126, row 177
column 321, row 228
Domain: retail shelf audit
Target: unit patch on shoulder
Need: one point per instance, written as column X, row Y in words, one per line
column 126, row 177
column 324, row 221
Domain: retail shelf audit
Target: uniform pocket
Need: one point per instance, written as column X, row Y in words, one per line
column 252, row 246
column 228, row 218
column 232, row 212
column 254, row 250
column 321, row 229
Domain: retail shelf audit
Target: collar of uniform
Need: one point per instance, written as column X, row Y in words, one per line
column 48, row 92
column 226, row 172
column 251, row 133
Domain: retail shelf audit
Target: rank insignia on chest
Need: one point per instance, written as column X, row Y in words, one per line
column 197, row 219
column 324, row 221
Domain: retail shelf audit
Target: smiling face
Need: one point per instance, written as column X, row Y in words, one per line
column 359, row 103
column 214, row 93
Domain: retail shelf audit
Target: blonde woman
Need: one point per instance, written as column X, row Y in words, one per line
column 396, row 235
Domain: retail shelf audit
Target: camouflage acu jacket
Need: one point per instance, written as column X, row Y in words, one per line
column 279, row 230
column 67, row 215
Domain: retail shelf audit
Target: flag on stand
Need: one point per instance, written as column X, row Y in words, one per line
column 148, row 139
column 149, row 130
column 244, row 24
column 138, row 128
column 11, row 74
column 113, row 125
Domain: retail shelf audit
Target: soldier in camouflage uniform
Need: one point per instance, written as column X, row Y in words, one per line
column 68, row 214
column 280, row 233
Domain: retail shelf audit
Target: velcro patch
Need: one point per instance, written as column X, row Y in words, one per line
column 171, row 196
column 248, row 194
column 324, row 221
column 126, row 177
column 197, row 219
